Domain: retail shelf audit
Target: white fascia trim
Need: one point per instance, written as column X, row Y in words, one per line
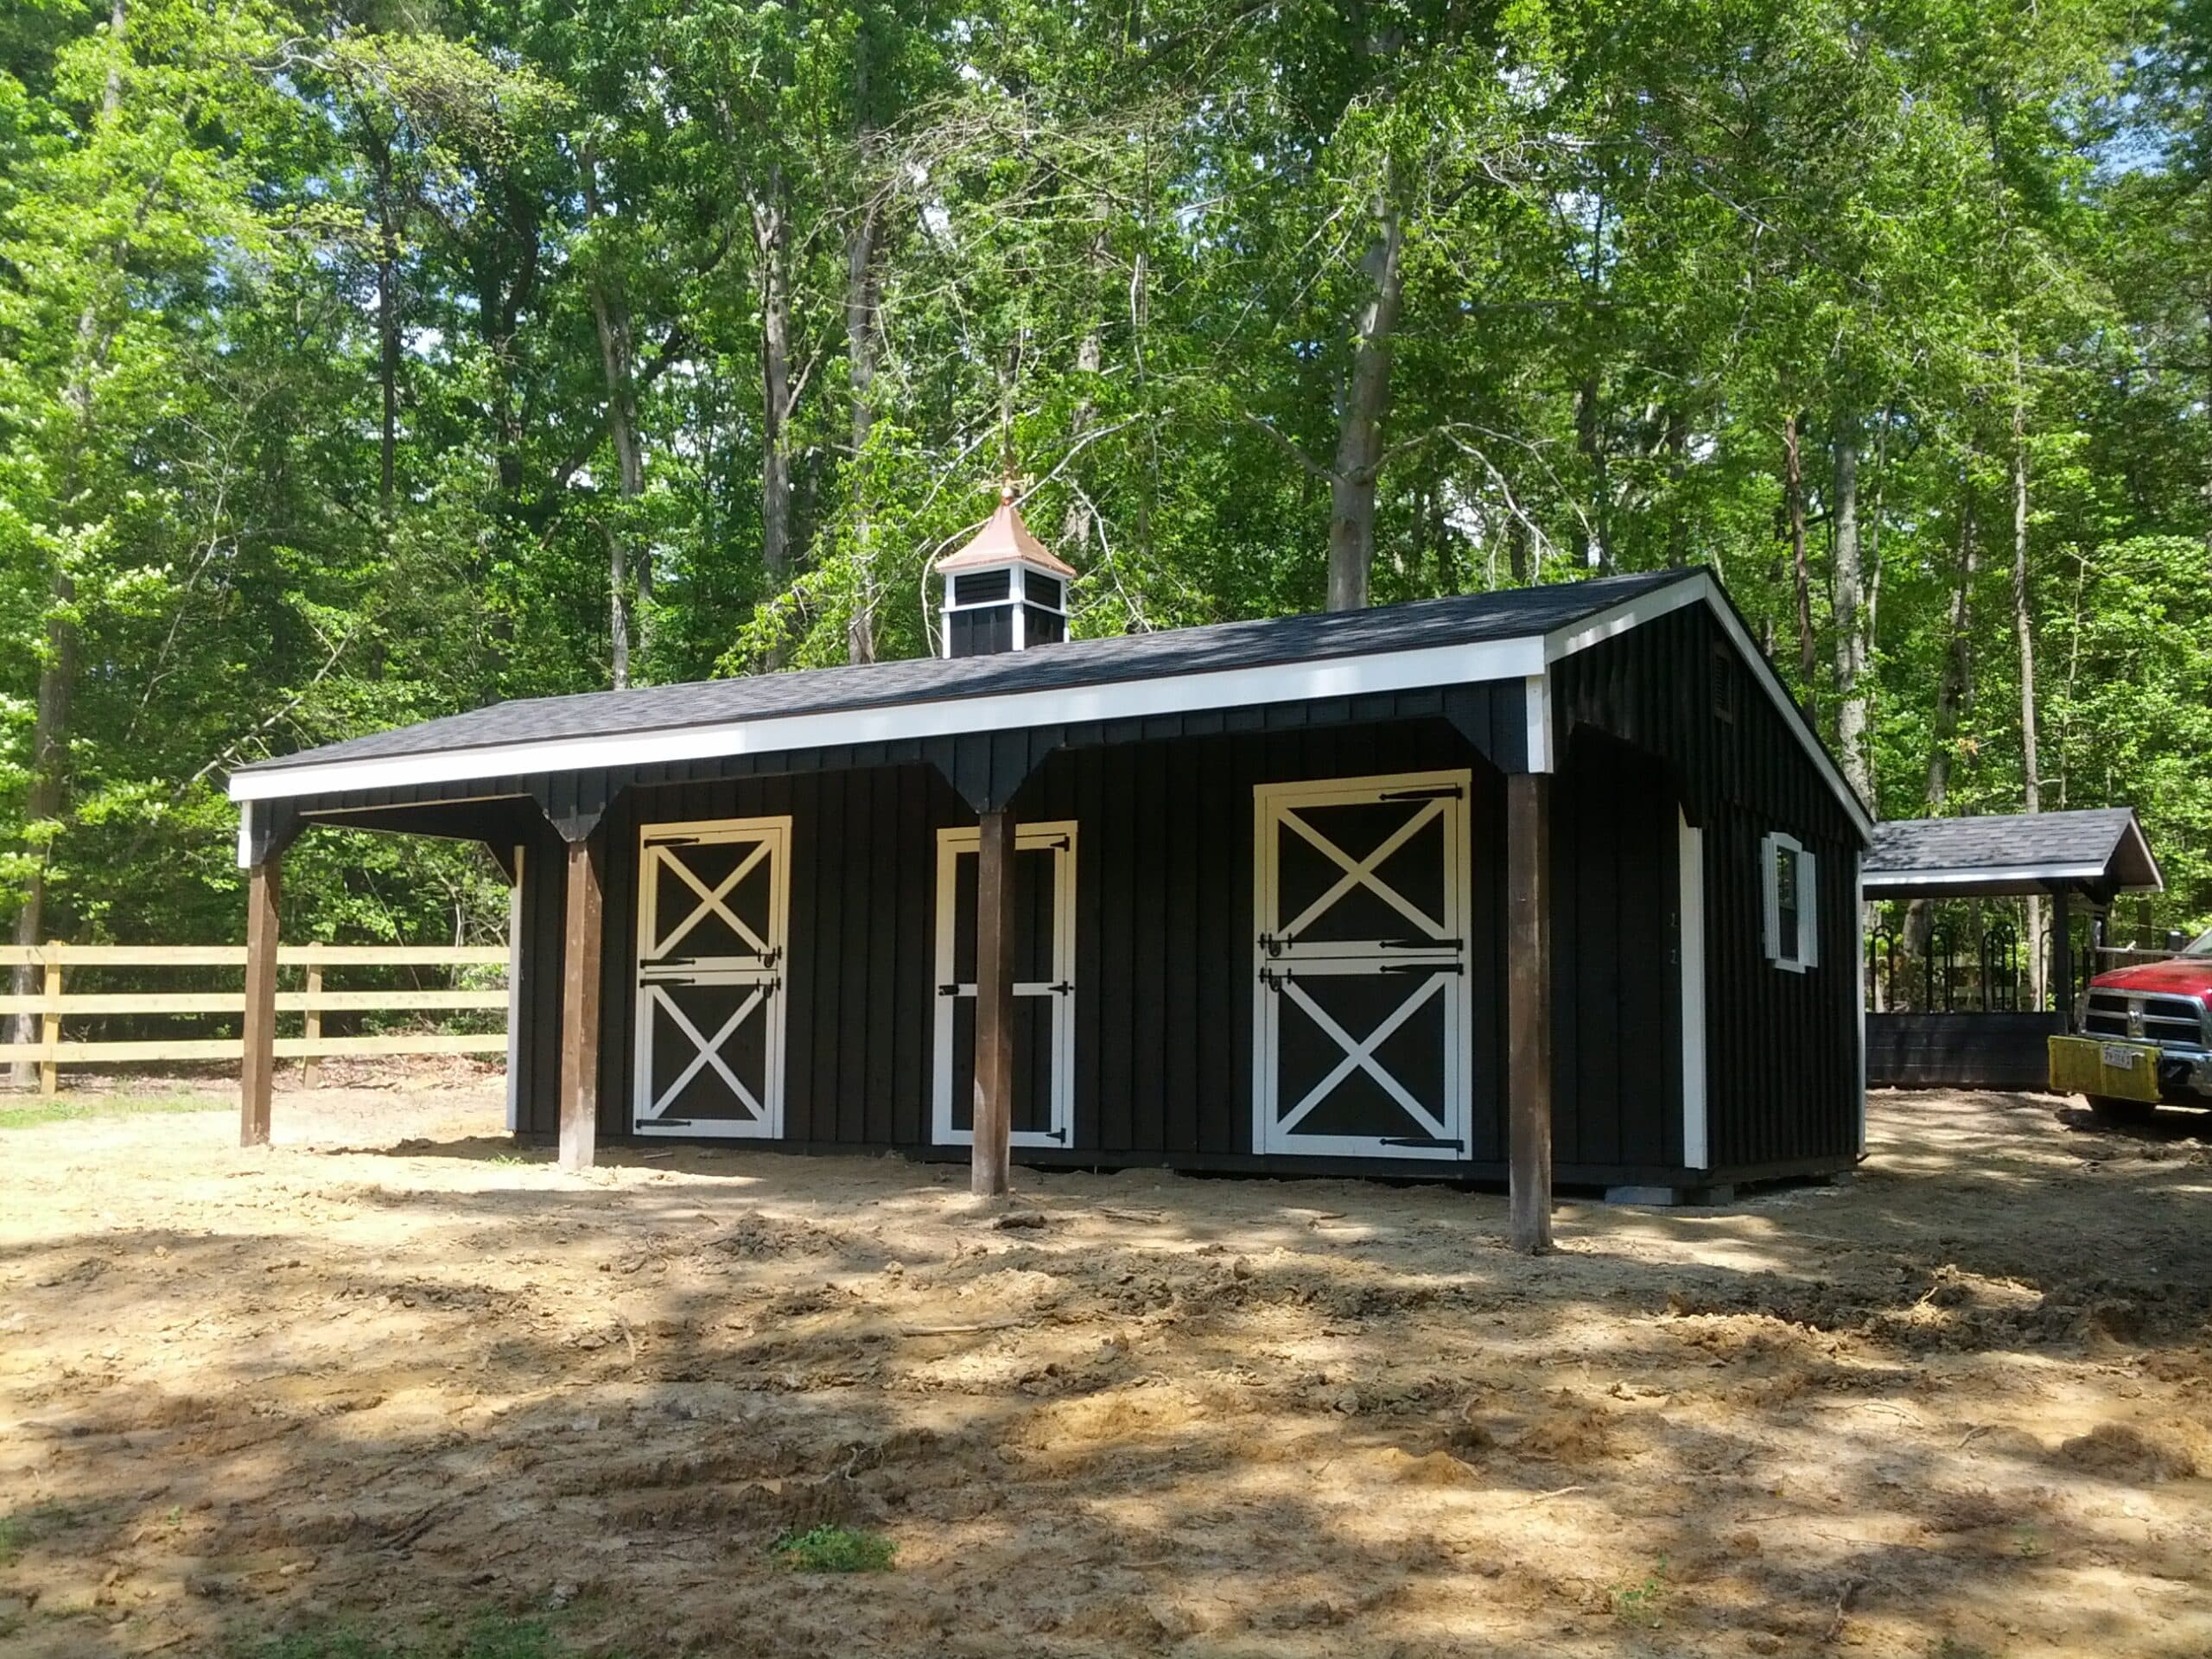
column 1310, row 681
column 1537, row 700
column 1972, row 874
column 1700, row 586
column 245, row 832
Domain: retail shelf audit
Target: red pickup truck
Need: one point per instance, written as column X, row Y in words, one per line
column 2145, row 1037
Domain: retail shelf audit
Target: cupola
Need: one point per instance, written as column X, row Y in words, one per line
column 1005, row 590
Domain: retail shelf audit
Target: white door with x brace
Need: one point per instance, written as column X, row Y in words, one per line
column 714, row 903
column 1043, row 986
column 1361, row 999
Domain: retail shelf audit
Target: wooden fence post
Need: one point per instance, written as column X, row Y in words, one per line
column 49, row 1072
column 312, row 1030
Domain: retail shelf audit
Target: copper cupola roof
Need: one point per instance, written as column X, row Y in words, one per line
column 1004, row 539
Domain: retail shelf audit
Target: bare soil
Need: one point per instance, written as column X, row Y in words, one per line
column 392, row 1369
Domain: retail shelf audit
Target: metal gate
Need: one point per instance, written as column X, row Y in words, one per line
column 1043, row 986
column 713, row 903
column 1361, row 1001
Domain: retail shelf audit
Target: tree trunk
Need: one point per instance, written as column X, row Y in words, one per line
column 1850, row 613
column 860, row 355
column 57, row 675
column 1591, row 550
column 388, row 341
column 610, row 313
column 1953, row 688
column 771, row 235
column 1359, row 419
column 1090, row 357
column 1678, row 518
column 2024, row 633
column 1793, row 461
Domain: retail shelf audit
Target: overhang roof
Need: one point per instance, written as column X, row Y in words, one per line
column 2099, row 851
column 1513, row 634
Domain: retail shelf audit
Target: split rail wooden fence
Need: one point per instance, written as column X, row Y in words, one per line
column 54, row 1006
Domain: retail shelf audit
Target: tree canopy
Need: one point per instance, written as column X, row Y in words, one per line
column 362, row 362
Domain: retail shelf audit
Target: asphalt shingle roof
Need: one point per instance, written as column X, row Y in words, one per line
column 1512, row 614
column 1965, row 855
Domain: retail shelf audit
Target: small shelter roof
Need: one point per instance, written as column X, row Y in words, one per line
column 2098, row 851
column 1004, row 539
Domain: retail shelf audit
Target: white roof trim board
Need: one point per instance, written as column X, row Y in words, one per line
column 1526, row 657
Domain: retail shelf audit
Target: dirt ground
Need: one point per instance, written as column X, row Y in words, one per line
column 393, row 1370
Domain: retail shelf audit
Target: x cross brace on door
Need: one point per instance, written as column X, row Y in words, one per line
column 709, row 1051
column 1362, row 873
column 1360, row 1055
column 710, row 899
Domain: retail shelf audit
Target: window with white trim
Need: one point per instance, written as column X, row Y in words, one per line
column 1788, row 882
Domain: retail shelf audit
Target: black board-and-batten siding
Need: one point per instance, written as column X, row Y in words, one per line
column 1164, row 929
column 1664, row 743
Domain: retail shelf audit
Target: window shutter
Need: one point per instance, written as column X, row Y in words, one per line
column 1808, row 911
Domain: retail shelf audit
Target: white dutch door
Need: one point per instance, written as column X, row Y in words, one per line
column 1361, row 1002
column 714, row 903
column 1043, row 986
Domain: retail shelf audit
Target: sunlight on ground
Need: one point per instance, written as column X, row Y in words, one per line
column 396, row 1375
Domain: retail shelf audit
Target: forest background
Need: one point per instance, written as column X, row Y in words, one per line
column 362, row 363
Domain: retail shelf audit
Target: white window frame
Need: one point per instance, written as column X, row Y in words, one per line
column 951, row 846
column 1805, row 954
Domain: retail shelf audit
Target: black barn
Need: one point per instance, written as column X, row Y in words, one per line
column 1354, row 892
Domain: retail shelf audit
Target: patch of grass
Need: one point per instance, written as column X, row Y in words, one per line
column 491, row 1636
column 1644, row 1603
column 21, row 1527
column 66, row 1109
column 836, row 1549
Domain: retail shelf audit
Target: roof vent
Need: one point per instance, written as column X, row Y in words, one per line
column 1004, row 591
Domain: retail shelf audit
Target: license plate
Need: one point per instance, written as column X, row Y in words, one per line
column 2119, row 1057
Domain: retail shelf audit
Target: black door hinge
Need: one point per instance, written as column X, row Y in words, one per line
column 1418, row 945
column 1433, row 793
column 1422, row 1140
column 1422, row 968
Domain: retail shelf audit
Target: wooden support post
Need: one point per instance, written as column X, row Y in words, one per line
column 312, row 1028
column 990, row 1154
column 2062, row 954
column 1528, row 1007
column 258, row 1074
column 49, row 1024
column 579, row 979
